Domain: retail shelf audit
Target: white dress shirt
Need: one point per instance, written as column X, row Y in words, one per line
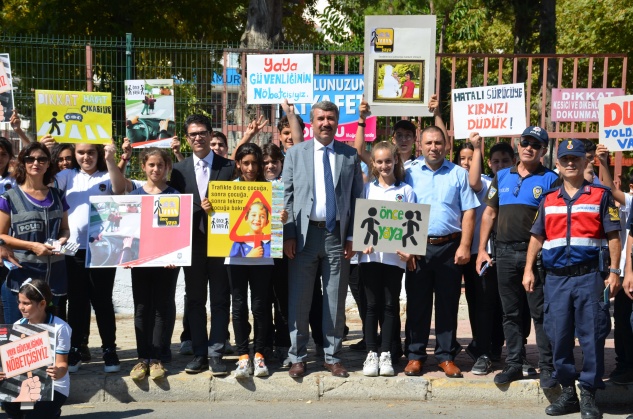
column 318, row 207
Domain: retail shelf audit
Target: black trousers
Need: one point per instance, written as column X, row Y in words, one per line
column 258, row 277
column 154, row 293
column 207, row 277
column 436, row 273
column 358, row 292
column 382, row 284
column 517, row 304
column 622, row 332
column 484, row 308
column 86, row 287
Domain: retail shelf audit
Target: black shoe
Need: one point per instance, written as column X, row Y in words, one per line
column 217, row 367
column 509, row 374
column 625, row 377
column 198, row 364
column 566, row 403
column 345, row 332
column 359, row 346
column 619, row 369
column 588, row 409
column 546, row 378
column 528, row 369
column 111, row 361
column 483, row 365
column 74, row 360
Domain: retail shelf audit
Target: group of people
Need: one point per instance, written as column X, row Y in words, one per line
column 531, row 245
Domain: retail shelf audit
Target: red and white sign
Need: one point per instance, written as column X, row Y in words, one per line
column 616, row 122
column 277, row 77
column 26, row 354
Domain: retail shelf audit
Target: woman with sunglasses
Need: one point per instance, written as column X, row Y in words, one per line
column 33, row 213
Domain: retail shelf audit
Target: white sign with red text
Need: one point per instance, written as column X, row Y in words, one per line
column 26, row 354
column 277, row 77
column 616, row 122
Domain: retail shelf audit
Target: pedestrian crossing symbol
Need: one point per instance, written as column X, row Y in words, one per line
column 166, row 211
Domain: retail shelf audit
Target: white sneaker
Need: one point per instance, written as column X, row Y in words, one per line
column 370, row 366
column 386, row 368
column 186, row 348
column 244, row 367
column 261, row 370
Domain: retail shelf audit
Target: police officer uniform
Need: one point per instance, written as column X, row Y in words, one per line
column 575, row 231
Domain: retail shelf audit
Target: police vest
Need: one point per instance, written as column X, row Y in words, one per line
column 36, row 223
column 575, row 232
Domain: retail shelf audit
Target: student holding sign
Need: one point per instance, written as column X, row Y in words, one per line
column 382, row 272
column 36, row 306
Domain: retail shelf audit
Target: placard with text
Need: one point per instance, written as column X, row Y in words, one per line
column 246, row 219
column 6, row 89
column 139, row 230
column 276, row 77
column 26, row 351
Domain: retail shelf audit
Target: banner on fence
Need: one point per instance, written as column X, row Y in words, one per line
column 149, row 112
column 579, row 105
column 274, row 78
column 491, row 111
column 26, row 351
column 74, row 117
column 246, row 219
column 6, row 89
column 399, row 64
column 388, row 226
column 346, row 92
column 616, row 122
column 139, row 230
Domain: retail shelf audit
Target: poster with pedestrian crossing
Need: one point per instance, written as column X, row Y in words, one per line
column 388, row 226
column 74, row 117
column 246, row 219
column 26, row 350
column 139, row 230
column 149, row 112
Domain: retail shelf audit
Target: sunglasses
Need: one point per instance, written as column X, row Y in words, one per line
column 40, row 160
column 536, row 146
column 517, row 188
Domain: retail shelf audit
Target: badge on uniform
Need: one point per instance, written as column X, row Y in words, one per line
column 491, row 192
column 537, row 192
column 614, row 213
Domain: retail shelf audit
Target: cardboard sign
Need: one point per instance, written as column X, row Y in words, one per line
column 346, row 92
column 246, row 219
column 149, row 112
column 616, row 122
column 74, row 117
column 6, row 89
column 275, row 78
column 491, row 111
column 579, row 105
column 139, row 230
column 399, row 64
column 26, row 351
column 388, row 226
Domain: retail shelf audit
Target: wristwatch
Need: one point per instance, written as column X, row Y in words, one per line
column 615, row 271
column 2, row 243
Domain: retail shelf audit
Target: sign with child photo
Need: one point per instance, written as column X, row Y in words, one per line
column 139, row 230
column 388, row 226
column 246, row 219
column 26, row 350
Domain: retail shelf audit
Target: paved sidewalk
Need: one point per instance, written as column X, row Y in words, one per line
column 92, row 385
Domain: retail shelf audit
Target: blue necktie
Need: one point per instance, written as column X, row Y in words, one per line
column 330, row 199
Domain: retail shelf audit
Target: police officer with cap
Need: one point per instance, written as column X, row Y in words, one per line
column 574, row 224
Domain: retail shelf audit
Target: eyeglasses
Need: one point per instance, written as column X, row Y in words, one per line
column 517, row 188
column 40, row 160
column 525, row 142
column 192, row 135
column 66, row 159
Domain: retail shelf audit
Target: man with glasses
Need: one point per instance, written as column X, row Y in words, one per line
column 513, row 199
column 192, row 176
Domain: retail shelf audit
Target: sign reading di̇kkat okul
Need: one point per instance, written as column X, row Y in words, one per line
column 388, row 226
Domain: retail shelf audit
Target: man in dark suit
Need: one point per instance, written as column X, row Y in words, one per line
column 192, row 175
column 322, row 181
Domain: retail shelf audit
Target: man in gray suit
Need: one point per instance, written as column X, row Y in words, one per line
column 322, row 181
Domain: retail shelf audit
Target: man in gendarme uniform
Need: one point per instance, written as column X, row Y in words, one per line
column 513, row 199
column 573, row 225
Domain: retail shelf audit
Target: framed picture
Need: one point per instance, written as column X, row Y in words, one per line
column 398, row 81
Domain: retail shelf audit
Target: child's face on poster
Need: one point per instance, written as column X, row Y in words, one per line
column 257, row 218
